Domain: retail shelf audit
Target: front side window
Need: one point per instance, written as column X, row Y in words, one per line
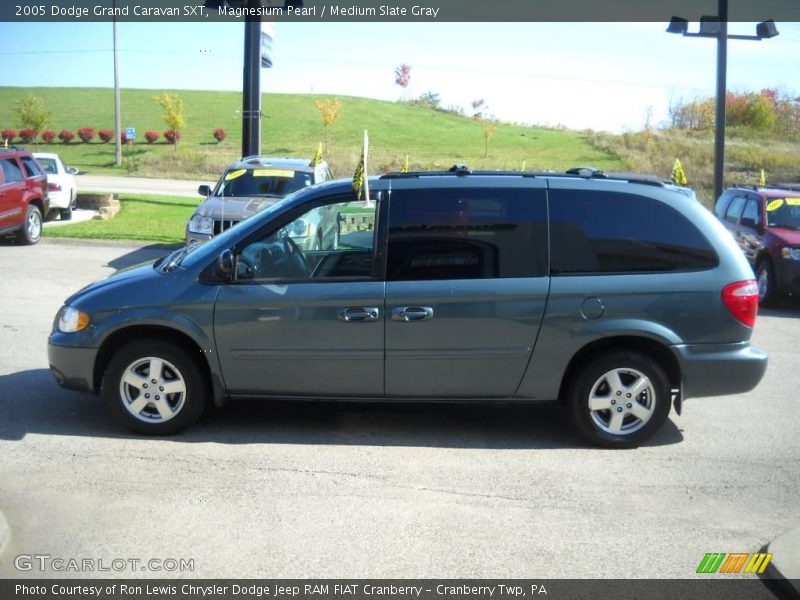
column 49, row 165
column 480, row 233
column 751, row 217
column 607, row 232
column 333, row 240
column 735, row 209
column 31, row 167
column 262, row 182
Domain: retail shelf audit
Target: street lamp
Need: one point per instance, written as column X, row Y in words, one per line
column 251, row 79
column 717, row 27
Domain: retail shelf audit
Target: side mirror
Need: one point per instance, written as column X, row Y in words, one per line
column 226, row 265
column 72, row 170
column 204, row 190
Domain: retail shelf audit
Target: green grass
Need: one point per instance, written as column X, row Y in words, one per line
column 292, row 126
column 145, row 218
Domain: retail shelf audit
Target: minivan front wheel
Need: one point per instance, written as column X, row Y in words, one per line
column 620, row 400
column 154, row 387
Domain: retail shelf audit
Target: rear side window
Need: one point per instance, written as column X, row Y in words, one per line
column 606, row 232
column 11, row 170
column 477, row 233
column 751, row 217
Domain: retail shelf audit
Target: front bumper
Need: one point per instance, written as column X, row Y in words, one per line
column 719, row 369
column 787, row 273
column 72, row 366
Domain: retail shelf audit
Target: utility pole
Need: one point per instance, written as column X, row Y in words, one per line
column 719, row 120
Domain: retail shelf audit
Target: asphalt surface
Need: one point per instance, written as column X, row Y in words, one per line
column 138, row 185
column 312, row 490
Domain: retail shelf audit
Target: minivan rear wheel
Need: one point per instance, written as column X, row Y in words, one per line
column 154, row 387
column 620, row 399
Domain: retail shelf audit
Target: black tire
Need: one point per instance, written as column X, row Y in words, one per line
column 595, row 375
column 767, row 289
column 31, row 231
column 179, row 367
column 66, row 213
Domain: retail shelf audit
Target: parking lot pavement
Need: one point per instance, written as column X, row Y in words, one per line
column 315, row 490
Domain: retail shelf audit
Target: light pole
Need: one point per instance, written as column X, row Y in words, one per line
column 117, row 117
column 717, row 27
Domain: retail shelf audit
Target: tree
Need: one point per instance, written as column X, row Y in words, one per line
column 478, row 108
column 402, row 77
column 172, row 105
column 32, row 112
column 329, row 109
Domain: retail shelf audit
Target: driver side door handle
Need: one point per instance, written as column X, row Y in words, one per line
column 359, row 313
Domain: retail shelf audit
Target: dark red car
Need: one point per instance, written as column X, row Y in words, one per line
column 765, row 222
column 23, row 195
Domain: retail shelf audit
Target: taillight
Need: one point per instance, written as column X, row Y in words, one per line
column 741, row 298
column 53, row 187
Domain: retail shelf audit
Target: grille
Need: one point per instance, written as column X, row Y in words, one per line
column 220, row 225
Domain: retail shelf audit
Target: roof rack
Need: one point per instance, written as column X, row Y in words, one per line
column 593, row 173
column 794, row 187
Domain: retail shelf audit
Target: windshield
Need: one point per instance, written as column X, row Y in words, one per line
column 251, row 183
column 784, row 212
column 206, row 251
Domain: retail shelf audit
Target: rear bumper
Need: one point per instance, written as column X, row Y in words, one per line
column 72, row 367
column 719, row 369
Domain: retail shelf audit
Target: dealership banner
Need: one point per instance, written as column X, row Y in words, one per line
column 747, row 588
column 390, row 11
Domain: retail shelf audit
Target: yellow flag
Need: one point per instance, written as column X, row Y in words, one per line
column 678, row 176
column 358, row 177
column 762, row 180
column 404, row 166
column 317, row 157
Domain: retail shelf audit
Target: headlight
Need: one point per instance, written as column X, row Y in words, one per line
column 299, row 228
column 200, row 224
column 71, row 320
column 790, row 253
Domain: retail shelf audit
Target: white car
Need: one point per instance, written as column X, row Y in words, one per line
column 61, row 186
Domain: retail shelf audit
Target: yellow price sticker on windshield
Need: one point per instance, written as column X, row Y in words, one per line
column 774, row 205
column 273, row 173
column 793, row 201
column 235, row 174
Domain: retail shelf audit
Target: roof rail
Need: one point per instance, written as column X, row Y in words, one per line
column 593, row 173
column 794, row 187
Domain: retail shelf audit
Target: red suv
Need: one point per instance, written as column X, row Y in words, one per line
column 23, row 195
column 765, row 222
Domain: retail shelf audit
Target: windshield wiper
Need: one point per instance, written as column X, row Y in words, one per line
column 174, row 260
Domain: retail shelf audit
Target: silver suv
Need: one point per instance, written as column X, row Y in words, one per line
column 249, row 186
column 617, row 297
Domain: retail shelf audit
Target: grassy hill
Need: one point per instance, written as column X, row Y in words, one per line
column 292, row 126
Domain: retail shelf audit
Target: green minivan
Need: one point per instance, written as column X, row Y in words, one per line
column 616, row 296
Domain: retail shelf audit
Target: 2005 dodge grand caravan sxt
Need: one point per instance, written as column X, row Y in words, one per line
column 617, row 297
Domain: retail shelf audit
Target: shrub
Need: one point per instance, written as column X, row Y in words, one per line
column 48, row 135
column 86, row 134
column 27, row 135
column 220, row 134
column 151, row 136
column 9, row 134
column 172, row 136
column 123, row 138
column 66, row 136
column 106, row 135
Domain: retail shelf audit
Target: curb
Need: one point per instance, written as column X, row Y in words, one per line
column 5, row 533
column 784, row 568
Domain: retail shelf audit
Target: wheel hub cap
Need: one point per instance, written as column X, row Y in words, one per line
column 622, row 401
column 152, row 390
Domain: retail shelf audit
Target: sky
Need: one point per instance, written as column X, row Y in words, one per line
column 604, row 76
